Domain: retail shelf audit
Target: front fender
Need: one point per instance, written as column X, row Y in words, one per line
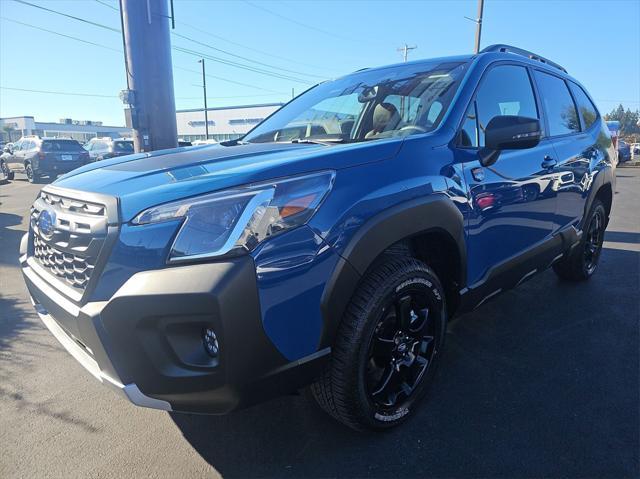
column 435, row 213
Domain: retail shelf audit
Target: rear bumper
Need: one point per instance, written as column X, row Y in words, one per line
column 146, row 341
column 57, row 167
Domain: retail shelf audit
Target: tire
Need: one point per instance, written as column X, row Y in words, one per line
column 582, row 261
column 32, row 176
column 374, row 356
column 8, row 174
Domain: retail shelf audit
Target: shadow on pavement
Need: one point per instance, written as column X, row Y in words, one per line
column 543, row 381
column 9, row 239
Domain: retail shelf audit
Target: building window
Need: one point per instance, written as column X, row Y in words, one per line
column 245, row 121
column 199, row 123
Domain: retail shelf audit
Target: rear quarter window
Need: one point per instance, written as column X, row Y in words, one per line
column 588, row 111
column 558, row 104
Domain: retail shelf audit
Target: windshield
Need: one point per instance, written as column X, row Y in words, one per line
column 61, row 145
column 367, row 105
column 123, row 146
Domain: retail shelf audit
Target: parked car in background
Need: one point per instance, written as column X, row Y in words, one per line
column 5, row 172
column 42, row 157
column 182, row 143
column 635, row 151
column 101, row 148
column 209, row 279
column 624, row 151
column 203, row 142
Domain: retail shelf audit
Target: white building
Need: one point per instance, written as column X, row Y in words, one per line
column 225, row 123
column 13, row 128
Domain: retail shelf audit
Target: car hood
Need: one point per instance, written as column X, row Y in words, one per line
column 143, row 180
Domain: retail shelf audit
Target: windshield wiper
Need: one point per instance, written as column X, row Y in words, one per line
column 325, row 142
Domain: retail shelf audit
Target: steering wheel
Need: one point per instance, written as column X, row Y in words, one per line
column 414, row 127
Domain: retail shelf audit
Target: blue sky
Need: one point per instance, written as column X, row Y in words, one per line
column 597, row 41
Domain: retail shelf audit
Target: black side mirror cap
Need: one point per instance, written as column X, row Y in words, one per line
column 508, row 132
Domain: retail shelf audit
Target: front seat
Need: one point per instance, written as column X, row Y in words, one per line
column 385, row 118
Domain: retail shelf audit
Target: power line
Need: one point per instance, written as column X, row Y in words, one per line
column 255, row 50
column 68, row 16
column 51, row 92
column 61, row 34
column 120, row 52
column 226, row 52
column 292, row 20
column 105, row 4
column 183, row 50
column 209, row 75
column 243, row 58
column 240, row 65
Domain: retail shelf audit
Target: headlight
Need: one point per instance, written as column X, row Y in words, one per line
column 235, row 221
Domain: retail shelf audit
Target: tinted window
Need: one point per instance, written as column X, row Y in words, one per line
column 558, row 104
column 123, row 146
column 505, row 90
column 27, row 145
column 587, row 109
column 61, row 145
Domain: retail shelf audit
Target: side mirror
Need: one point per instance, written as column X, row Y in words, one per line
column 7, row 149
column 508, row 132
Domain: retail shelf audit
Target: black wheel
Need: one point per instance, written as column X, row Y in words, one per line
column 387, row 346
column 32, row 176
column 582, row 261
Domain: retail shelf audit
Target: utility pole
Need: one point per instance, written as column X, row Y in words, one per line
column 478, row 22
column 206, row 113
column 405, row 51
column 151, row 106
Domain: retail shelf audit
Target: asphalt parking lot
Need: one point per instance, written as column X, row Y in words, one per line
column 542, row 382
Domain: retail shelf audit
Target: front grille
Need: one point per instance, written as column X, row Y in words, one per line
column 71, row 247
column 73, row 269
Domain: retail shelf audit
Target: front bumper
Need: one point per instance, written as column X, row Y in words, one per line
column 146, row 340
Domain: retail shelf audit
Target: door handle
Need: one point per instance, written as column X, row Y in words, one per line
column 548, row 163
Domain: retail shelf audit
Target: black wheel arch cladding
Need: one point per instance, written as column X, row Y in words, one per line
column 435, row 213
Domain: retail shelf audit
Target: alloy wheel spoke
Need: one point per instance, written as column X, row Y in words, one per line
column 382, row 347
column 420, row 324
column 403, row 312
column 385, row 390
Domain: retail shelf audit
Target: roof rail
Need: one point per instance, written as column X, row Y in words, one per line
column 500, row 47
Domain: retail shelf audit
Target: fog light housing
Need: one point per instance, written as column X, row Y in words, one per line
column 210, row 342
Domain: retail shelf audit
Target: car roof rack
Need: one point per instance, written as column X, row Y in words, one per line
column 500, row 47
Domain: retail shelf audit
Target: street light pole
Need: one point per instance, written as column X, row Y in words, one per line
column 204, row 88
column 479, row 24
column 405, row 51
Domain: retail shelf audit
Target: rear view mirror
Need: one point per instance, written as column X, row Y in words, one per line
column 508, row 132
column 368, row 94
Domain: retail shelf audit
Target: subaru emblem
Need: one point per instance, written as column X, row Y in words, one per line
column 46, row 223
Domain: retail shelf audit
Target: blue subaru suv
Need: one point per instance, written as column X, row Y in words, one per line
column 328, row 247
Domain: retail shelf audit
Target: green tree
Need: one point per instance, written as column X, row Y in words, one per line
column 628, row 120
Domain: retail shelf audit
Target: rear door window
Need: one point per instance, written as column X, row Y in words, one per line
column 505, row 90
column 558, row 105
column 588, row 111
